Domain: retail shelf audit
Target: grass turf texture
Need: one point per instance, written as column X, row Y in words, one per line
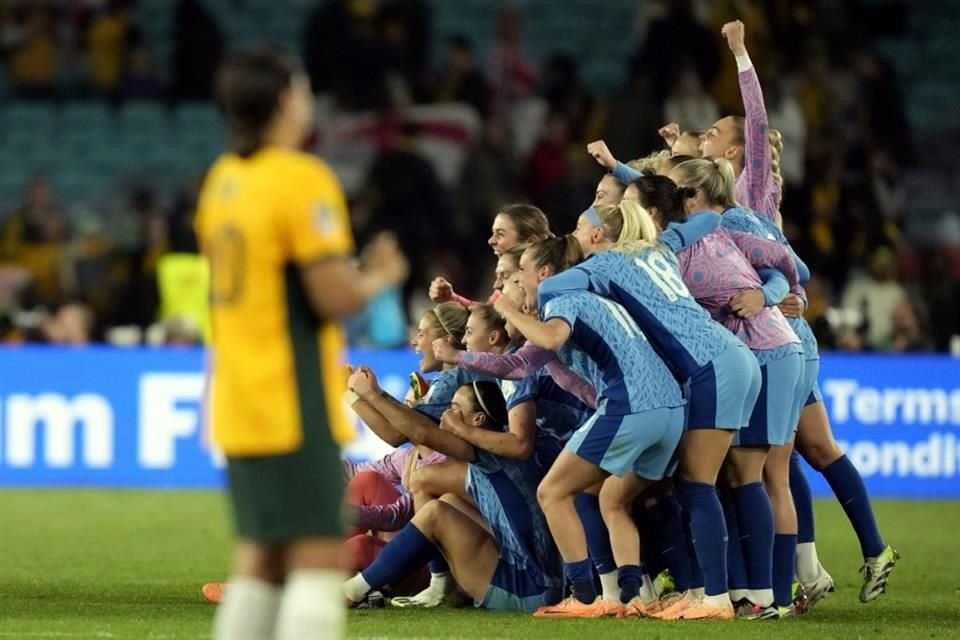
column 123, row 564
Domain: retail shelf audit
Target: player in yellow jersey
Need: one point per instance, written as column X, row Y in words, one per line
column 274, row 226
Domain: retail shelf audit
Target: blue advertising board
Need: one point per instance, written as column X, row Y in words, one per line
column 133, row 418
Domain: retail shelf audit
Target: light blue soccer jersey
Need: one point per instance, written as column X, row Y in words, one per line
column 442, row 387
column 632, row 378
column 649, row 286
column 559, row 413
column 505, row 491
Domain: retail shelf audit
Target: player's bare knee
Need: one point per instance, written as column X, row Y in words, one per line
column 547, row 494
column 819, row 453
column 429, row 515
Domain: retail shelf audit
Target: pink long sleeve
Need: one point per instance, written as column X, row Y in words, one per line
column 522, row 363
column 767, row 253
column 756, row 187
column 572, row 383
column 385, row 517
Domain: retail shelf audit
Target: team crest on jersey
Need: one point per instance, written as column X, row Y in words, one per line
column 508, row 388
column 324, row 219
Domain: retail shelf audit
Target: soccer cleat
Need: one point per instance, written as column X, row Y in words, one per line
column 664, row 583
column 663, row 603
column 213, row 591
column 800, row 602
column 815, row 591
column 876, row 572
column 439, row 591
column 373, row 600
column 746, row 610
column 786, row 612
column 676, row 609
column 573, row 608
column 703, row 611
column 636, row 608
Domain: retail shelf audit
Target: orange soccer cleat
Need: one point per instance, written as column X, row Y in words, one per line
column 573, row 608
column 213, row 591
column 636, row 608
column 674, row 610
column 703, row 611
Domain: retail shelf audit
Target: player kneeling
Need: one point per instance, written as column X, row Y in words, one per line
column 499, row 549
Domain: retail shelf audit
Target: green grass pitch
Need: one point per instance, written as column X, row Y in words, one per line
column 124, row 564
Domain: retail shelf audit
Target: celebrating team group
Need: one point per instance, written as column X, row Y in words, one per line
column 617, row 431
column 642, row 378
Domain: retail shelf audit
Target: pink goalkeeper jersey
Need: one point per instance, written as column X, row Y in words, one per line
column 756, row 187
column 721, row 265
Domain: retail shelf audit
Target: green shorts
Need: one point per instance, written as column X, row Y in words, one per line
column 281, row 498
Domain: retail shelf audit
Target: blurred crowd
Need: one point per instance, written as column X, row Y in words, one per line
column 848, row 146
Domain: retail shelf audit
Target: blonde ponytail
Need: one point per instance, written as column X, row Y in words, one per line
column 714, row 177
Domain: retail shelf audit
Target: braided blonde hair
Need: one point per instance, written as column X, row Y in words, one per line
column 775, row 138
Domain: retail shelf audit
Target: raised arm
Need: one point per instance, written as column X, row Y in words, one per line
column 415, row 426
column 757, row 176
column 601, row 153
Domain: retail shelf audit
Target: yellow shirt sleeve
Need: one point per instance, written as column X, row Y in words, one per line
column 316, row 223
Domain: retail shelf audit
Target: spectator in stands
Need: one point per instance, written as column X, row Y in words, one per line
column 460, row 80
column 344, row 53
column 197, row 51
column 140, row 238
column 673, row 41
column 107, row 45
column 548, row 166
column 562, row 88
column 73, row 325
column 512, row 76
column 140, row 79
column 405, row 26
column 405, row 196
column 909, row 332
column 688, row 104
column 33, row 237
column 35, row 59
column 876, row 295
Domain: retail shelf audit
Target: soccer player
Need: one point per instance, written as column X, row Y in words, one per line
column 745, row 142
column 514, row 224
column 273, row 224
column 626, row 445
column 499, row 548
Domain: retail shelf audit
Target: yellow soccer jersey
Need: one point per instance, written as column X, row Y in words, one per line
column 276, row 367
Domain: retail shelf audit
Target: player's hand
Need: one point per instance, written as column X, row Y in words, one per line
column 363, row 382
column 733, row 32
column 444, row 351
column 505, row 305
column 601, row 153
column 384, row 257
column 441, row 290
column 747, row 304
column 452, row 421
column 670, row 133
column 792, row 306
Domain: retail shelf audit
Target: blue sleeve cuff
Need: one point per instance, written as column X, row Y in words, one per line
column 775, row 286
column 626, row 174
